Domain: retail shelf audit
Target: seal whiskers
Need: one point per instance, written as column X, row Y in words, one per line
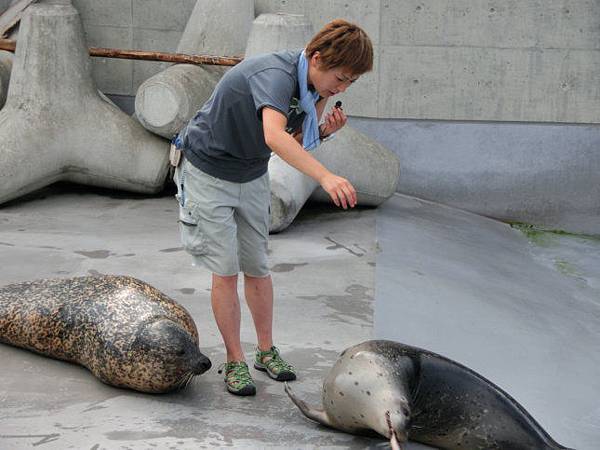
column 126, row 332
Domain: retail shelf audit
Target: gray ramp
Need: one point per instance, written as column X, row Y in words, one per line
column 523, row 313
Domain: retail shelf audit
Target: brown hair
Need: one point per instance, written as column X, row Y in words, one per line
column 343, row 44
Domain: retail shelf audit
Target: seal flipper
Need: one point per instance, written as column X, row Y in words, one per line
column 318, row 415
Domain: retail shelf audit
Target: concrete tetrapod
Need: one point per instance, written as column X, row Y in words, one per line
column 165, row 102
column 55, row 126
column 273, row 32
column 372, row 169
column 290, row 189
column 6, row 62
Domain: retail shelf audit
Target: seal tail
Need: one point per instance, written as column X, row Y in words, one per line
column 318, row 415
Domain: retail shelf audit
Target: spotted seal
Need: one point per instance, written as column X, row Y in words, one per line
column 404, row 392
column 126, row 332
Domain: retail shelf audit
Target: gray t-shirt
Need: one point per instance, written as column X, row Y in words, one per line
column 225, row 138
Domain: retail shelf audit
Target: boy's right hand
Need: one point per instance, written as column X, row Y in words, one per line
column 340, row 190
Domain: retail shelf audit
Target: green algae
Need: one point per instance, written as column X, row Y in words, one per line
column 545, row 237
column 566, row 268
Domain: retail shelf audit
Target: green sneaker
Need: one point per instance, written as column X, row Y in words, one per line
column 271, row 362
column 237, row 378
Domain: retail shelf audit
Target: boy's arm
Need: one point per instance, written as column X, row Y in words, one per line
column 285, row 146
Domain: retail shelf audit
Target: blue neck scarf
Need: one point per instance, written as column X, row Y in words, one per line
column 310, row 126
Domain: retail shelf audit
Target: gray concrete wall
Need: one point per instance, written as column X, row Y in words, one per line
column 131, row 24
column 533, row 61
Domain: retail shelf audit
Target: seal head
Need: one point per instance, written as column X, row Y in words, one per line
column 163, row 357
column 366, row 390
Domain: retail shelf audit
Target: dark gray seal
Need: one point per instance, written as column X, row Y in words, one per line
column 404, row 392
column 126, row 332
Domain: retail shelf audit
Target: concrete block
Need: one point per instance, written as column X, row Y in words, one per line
column 159, row 15
column 109, row 13
column 218, row 28
column 463, row 43
column 108, row 36
column 372, row 169
column 548, row 24
column 54, row 111
column 145, row 70
column 273, row 32
column 459, row 83
column 363, row 98
column 362, row 12
column 114, row 76
column 290, row 189
column 156, row 40
column 6, row 60
column 126, row 103
column 165, row 102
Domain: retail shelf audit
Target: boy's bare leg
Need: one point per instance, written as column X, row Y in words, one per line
column 226, row 308
column 259, row 297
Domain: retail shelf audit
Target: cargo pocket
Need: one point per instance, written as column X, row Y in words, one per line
column 192, row 236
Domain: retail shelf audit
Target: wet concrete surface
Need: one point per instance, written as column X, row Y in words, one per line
column 324, row 303
column 523, row 314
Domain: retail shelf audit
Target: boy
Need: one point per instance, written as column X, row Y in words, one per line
column 268, row 103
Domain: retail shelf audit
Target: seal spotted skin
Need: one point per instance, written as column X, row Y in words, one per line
column 126, row 332
column 404, row 392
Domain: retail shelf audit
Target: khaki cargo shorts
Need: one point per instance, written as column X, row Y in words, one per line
column 224, row 225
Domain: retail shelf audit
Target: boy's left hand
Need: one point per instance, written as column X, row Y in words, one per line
column 334, row 120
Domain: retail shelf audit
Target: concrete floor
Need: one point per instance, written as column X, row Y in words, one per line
column 323, row 271
column 327, row 268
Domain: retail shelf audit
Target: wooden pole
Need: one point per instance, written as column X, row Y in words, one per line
column 8, row 45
